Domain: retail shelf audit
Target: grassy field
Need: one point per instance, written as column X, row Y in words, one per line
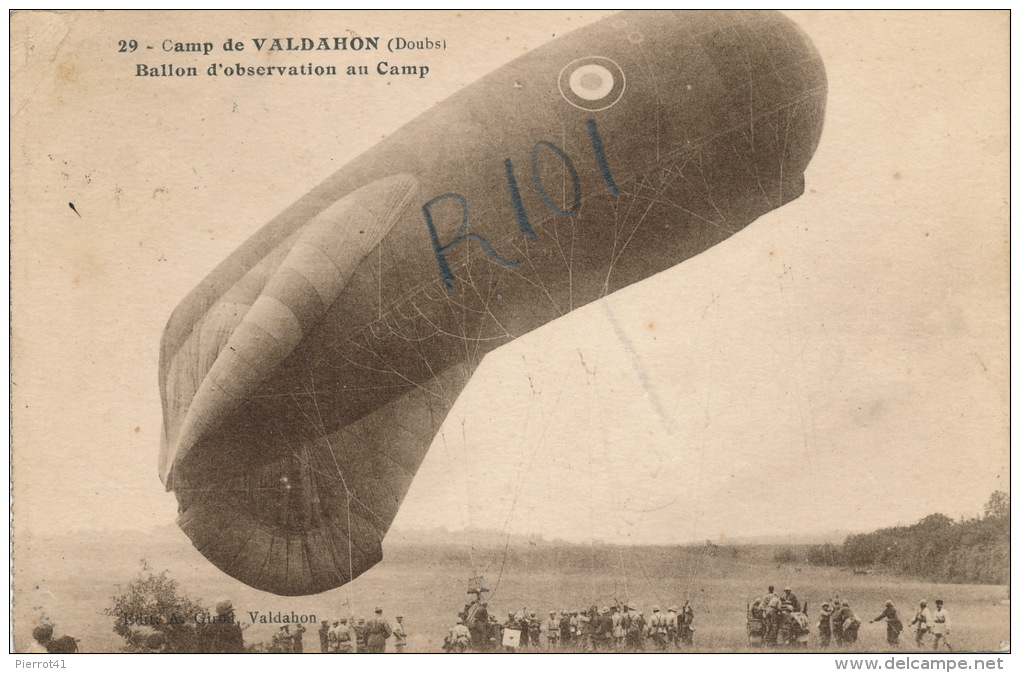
column 72, row 582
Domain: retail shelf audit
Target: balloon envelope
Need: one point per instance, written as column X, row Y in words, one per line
column 305, row 378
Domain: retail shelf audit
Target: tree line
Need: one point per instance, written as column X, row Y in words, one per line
column 936, row 548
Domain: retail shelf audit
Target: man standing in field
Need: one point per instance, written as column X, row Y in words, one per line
column 224, row 635
column 657, row 628
column 400, row 635
column 565, row 629
column 552, row 631
column 850, row 623
column 343, row 637
column 360, row 634
column 459, row 638
column 791, row 598
column 940, row 626
column 377, row 630
column 618, row 631
column 893, row 625
column 672, row 625
column 824, row 626
column 324, row 636
column 636, row 631
column 686, row 625
column 923, row 621
column 836, row 622
column 770, row 605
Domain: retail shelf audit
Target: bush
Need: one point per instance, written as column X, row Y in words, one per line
column 785, row 555
column 152, row 614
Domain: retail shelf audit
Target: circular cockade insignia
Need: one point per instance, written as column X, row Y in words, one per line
column 592, row 83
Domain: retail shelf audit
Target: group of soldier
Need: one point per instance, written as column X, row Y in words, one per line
column 842, row 625
column 344, row 635
column 782, row 620
column 936, row 623
column 774, row 620
column 611, row 628
column 350, row 635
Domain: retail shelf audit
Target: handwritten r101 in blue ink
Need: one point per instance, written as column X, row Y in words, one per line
column 520, row 213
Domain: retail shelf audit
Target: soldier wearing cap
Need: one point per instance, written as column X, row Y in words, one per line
column 282, row 642
column 784, row 626
column 377, row 630
column 535, row 629
column 923, row 621
column 836, row 621
column 770, row 606
column 399, row 636
column 940, row 626
column 476, row 619
column 626, row 617
column 824, row 625
column 565, row 630
column 524, row 624
column 551, row 627
column 685, row 624
column 459, row 638
column 323, row 636
column 850, row 623
column 893, row 625
column 672, row 624
column 223, row 634
column 360, row 634
column 791, row 598
column 657, row 628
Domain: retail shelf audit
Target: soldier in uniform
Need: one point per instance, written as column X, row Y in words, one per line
column 785, row 625
column 657, row 628
column 282, row 642
column 399, row 636
column 360, row 635
column 459, row 638
column 893, row 625
column 791, row 598
column 850, row 623
column 602, row 629
column 224, row 634
column 618, row 630
column 552, row 631
column 824, row 626
column 377, row 630
column 673, row 625
column 836, row 622
column 770, row 606
column 923, row 621
column 523, row 625
column 513, row 625
column 298, row 639
column 940, row 626
column 635, row 630
column 534, row 629
column 566, row 638
column 626, row 618
column 686, row 625
column 324, row 636
column 345, row 638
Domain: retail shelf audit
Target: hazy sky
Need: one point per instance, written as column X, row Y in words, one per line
column 841, row 363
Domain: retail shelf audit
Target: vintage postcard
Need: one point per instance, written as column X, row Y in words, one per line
column 510, row 331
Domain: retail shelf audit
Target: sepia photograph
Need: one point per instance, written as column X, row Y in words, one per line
column 538, row 332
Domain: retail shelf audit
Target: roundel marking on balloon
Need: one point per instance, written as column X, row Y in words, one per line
column 592, row 83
